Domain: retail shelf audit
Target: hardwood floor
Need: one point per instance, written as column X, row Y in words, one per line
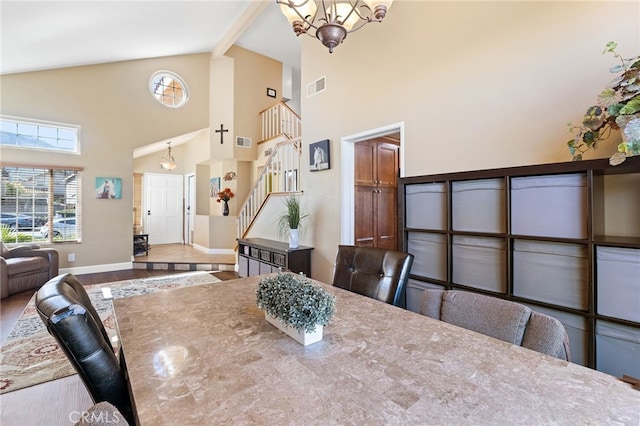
column 58, row 402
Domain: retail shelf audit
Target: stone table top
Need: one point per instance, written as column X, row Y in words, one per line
column 206, row 355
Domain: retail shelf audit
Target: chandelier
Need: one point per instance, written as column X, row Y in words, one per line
column 329, row 20
column 168, row 162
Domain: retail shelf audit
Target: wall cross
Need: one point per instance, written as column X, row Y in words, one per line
column 222, row 131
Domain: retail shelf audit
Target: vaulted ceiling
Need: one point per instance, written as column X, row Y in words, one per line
column 40, row 35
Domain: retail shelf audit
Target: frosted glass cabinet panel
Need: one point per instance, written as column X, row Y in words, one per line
column 617, row 349
column 479, row 205
column 549, row 206
column 429, row 255
column 479, row 262
column 551, row 272
column 426, row 206
column 618, row 282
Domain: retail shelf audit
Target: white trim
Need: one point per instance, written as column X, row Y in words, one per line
column 187, row 219
column 44, row 123
column 92, row 269
column 175, row 77
column 347, row 155
column 213, row 251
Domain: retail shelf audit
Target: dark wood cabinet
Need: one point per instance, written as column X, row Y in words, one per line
column 562, row 238
column 258, row 256
column 375, row 204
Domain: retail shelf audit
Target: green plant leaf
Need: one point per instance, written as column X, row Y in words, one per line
column 610, row 47
column 608, row 97
column 617, row 158
column 631, row 107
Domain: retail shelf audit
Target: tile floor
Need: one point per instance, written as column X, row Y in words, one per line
column 183, row 257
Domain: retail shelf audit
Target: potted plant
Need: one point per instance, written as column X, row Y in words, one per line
column 225, row 195
column 295, row 305
column 289, row 221
column 617, row 107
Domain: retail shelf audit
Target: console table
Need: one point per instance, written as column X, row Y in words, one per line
column 257, row 256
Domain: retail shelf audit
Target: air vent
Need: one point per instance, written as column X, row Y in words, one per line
column 243, row 142
column 316, row 86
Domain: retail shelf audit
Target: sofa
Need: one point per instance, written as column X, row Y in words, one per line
column 26, row 267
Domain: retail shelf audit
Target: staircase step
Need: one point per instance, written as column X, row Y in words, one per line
column 178, row 266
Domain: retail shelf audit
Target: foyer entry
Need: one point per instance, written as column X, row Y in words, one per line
column 162, row 208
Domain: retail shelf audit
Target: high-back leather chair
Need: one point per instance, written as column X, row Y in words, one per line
column 505, row 320
column 374, row 272
column 65, row 308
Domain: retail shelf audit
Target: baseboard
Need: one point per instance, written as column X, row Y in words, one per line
column 213, row 251
column 93, row 269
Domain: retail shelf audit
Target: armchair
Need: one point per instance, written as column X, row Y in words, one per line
column 25, row 267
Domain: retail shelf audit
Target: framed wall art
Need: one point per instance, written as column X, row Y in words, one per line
column 109, row 188
column 214, row 187
column 291, row 180
column 319, row 156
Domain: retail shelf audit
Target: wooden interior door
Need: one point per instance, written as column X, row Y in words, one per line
column 376, row 202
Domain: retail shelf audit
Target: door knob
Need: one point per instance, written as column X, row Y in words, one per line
column 148, row 212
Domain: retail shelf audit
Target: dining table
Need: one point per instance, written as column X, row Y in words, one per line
column 206, row 355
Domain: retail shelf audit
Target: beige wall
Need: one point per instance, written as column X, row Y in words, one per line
column 253, row 74
column 477, row 85
column 116, row 112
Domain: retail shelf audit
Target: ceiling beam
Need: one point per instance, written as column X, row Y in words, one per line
column 253, row 10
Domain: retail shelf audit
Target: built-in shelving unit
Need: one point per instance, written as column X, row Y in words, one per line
column 258, row 256
column 561, row 238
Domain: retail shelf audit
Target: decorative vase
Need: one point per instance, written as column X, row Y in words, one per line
column 299, row 336
column 225, row 210
column 294, row 238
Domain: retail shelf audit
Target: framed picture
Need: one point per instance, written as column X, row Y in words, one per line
column 109, row 188
column 319, row 156
column 291, row 180
column 214, row 187
column 271, row 92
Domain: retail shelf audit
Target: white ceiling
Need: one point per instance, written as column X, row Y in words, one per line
column 40, row 35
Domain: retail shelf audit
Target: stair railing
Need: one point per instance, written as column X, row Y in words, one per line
column 280, row 120
column 280, row 175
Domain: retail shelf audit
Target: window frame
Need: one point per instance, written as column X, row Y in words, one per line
column 175, row 77
column 43, row 124
column 45, row 172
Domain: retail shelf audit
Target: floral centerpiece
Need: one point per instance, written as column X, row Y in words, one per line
column 617, row 107
column 295, row 302
column 225, row 195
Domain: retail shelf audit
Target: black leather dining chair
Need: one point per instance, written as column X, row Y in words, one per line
column 66, row 309
column 374, row 272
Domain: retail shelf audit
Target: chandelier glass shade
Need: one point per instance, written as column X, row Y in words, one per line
column 331, row 20
column 168, row 162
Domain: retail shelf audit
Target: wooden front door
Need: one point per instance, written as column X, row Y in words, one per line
column 376, row 202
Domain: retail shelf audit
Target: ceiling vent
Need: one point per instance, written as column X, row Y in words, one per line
column 317, row 86
column 243, row 142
